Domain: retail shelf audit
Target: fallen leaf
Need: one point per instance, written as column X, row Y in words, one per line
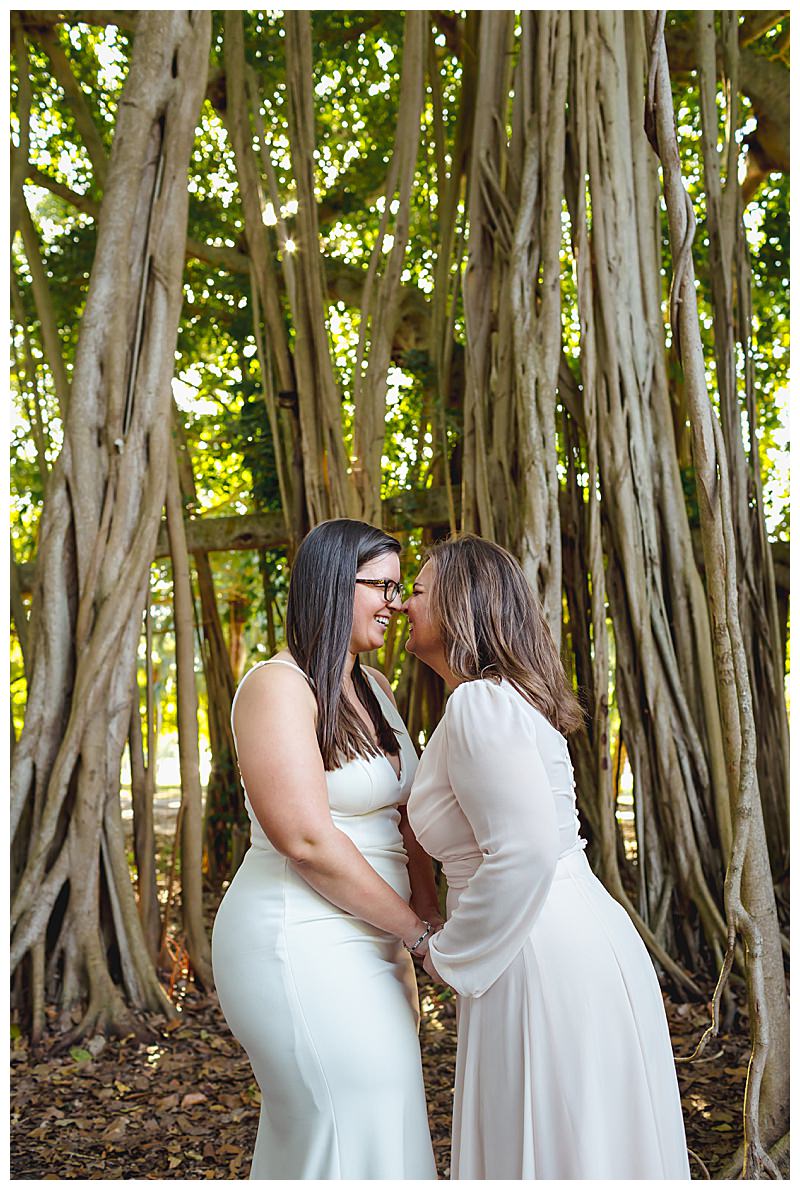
column 192, row 1098
column 115, row 1130
column 155, row 1120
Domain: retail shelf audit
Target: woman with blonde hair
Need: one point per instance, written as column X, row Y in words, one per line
column 564, row 1066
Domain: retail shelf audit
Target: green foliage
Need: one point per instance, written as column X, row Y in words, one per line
column 357, row 63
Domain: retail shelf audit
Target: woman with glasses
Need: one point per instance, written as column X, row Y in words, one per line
column 312, row 943
column 564, row 1066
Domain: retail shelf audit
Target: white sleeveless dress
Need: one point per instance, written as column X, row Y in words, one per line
column 324, row 1004
column 564, row 1066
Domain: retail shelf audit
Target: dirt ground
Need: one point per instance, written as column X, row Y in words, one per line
column 186, row 1106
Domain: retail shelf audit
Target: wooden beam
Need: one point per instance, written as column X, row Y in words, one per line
column 266, row 530
column 426, row 509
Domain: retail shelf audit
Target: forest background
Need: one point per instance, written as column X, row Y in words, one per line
column 436, row 270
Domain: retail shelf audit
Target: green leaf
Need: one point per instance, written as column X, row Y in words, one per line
column 79, row 1055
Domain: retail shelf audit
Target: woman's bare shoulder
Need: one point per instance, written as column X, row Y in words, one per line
column 268, row 681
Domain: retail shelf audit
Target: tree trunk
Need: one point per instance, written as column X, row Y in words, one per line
column 273, row 347
column 488, row 138
column 749, row 899
column 18, row 613
column 44, row 310
column 97, row 537
column 637, row 475
column 32, row 397
column 729, row 273
column 225, row 817
column 144, row 842
column 329, row 489
column 191, row 849
column 380, row 306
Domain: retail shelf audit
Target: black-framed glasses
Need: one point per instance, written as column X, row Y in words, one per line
column 391, row 589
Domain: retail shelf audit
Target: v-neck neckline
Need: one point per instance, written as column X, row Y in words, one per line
column 398, row 778
column 380, row 755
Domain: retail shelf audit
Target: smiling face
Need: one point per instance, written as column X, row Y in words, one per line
column 371, row 612
column 424, row 639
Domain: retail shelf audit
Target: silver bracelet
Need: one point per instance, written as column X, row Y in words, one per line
column 428, row 929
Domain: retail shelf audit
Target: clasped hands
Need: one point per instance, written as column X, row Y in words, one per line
column 425, row 955
column 427, row 965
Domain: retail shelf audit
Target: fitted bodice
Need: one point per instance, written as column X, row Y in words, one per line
column 434, row 811
column 364, row 793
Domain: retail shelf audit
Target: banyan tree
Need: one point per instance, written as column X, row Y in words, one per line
column 488, row 270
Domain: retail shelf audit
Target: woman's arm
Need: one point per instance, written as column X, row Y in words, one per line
column 497, row 775
column 427, row 965
column 283, row 773
column 424, row 895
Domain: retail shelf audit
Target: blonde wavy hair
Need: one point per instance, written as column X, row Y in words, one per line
column 492, row 626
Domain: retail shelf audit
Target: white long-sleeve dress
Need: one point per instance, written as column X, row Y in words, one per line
column 325, row 1004
column 564, row 1066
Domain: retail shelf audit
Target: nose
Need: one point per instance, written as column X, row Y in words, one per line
column 397, row 603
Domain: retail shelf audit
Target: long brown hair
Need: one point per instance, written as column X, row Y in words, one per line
column 492, row 626
column 319, row 622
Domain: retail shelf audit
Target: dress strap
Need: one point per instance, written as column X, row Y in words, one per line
column 283, row 661
column 387, row 706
